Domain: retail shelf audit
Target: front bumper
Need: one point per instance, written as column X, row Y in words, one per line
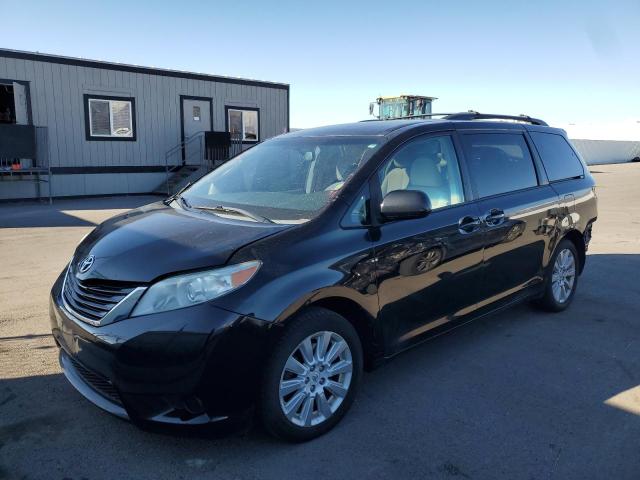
column 95, row 389
column 195, row 365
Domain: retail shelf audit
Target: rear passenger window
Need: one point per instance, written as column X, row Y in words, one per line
column 559, row 159
column 499, row 162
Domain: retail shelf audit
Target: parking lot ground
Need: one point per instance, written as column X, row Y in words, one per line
column 518, row 395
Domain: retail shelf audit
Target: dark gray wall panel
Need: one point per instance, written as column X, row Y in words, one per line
column 57, row 90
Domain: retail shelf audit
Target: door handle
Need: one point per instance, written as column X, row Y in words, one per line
column 494, row 217
column 468, row 224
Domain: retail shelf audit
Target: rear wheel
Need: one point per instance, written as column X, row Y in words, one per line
column 561, row 278
column 312, row 376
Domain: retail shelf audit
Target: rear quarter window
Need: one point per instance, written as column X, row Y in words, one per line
column 559, row 159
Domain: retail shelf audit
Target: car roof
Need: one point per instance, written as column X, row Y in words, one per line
column 366, row 128
column 392, row 127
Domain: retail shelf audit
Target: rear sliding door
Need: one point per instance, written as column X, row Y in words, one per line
column 517, row 206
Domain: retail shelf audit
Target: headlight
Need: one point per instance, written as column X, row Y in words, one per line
column 194, row 288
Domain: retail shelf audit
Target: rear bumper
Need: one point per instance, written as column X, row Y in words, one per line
column 190, row 366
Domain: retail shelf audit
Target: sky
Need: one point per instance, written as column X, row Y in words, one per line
column 563, row 61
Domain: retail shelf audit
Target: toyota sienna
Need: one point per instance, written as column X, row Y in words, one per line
column 271, row 283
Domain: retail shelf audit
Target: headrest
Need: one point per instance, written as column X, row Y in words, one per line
column 424, row 173
column 432, row 147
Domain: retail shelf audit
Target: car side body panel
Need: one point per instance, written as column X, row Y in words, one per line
column 429, row 273
column 371, row 266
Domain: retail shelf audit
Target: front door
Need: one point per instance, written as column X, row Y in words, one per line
column 429, row 269
column 517, row 208
column 196, row 118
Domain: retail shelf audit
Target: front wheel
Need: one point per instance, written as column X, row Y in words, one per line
column 561, row 278
column 312, row 376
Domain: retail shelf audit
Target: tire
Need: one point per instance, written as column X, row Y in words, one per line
column 313, row 325
column 553, row 301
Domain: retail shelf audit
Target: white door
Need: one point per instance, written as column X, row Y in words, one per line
column 20, row 101
column 196, row 118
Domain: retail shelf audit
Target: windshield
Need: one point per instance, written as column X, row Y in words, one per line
column 285, row 180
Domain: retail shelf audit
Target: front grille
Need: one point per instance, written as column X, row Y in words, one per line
column 93, row 299
column 96, row 381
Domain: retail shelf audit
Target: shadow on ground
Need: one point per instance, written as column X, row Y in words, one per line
column 65, row 212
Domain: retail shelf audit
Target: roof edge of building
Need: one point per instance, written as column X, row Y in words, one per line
column 81, row 62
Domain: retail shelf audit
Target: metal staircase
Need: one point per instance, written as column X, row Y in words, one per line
column 179, row 177
column 196, row 156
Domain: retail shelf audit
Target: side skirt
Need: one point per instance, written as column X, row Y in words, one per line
column 525, row 295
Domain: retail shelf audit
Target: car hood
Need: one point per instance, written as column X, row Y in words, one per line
column 156, row 240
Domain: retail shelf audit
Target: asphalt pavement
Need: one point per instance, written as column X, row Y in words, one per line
column 518, row 395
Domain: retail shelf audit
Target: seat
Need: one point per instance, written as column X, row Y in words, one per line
column 424, row 175
column 345, row 166
column 395, row 179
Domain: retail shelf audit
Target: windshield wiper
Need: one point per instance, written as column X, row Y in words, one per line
column 178, row 195
column 234, row 210
column 184, row 201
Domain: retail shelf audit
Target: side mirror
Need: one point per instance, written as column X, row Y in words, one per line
column 403, row 204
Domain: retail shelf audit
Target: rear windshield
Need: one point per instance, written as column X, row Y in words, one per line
column 287, row 180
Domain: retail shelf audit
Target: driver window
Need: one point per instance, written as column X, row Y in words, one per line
column 428, row 164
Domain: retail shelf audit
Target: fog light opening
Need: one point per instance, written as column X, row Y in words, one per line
column 194, row 405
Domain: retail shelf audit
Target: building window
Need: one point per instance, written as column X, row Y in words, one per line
column 110, row 118
column 244, row 122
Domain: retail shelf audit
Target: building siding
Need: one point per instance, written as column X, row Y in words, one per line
column 56, row 95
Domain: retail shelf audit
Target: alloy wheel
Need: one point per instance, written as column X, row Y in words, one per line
column 315, row 379
column 563, row 275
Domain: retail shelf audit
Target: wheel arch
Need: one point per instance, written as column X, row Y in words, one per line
column 361, row 320
column 353, row 312
column 575, row 237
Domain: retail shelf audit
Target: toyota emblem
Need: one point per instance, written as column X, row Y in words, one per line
column 86, row 264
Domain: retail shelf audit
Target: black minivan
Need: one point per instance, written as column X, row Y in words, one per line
column 272, row 282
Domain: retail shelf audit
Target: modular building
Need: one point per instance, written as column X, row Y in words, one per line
column 596, row 152
column 76, row 127
column 606, row 141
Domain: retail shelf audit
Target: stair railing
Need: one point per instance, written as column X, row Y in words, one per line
column 185, row 149
column 207, row 156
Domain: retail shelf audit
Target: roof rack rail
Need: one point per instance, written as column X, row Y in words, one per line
column 472, row 115
column 411, row 117
column 422, row 115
